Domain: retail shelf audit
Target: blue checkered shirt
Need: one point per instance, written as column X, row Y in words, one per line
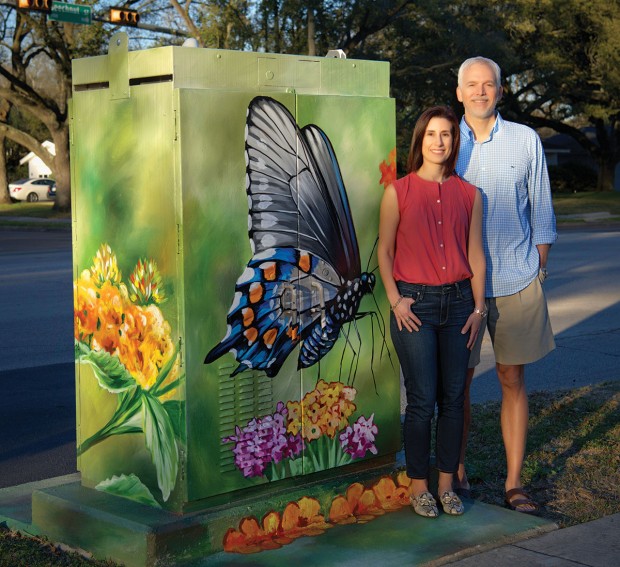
column 510, row 170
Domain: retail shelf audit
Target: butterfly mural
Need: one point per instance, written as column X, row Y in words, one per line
column 304, row 280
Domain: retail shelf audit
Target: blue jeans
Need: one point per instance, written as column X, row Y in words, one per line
column 434, row 365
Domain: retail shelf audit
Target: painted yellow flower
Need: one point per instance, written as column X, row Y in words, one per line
column 333, row 423
column 85, row 307
column 314, row 411
column 107, row 320
column 105, row 266
column 145, row 345
column 331, row 394
column 294, row 417
column 311, row 431
column 146, row 285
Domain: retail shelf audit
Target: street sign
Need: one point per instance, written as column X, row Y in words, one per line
column 71, row 13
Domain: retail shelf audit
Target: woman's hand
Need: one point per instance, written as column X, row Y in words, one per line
column 405, row 317
column 474, row 321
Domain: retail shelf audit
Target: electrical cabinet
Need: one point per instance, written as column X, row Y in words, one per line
column 225, row 208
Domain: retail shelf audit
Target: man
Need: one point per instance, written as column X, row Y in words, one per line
column 506, row 162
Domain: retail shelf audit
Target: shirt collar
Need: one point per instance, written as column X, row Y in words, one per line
column 468, row 133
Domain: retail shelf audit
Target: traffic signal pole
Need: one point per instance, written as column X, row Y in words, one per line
column 45, row 6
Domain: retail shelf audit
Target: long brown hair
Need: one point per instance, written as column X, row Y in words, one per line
column 415, row 159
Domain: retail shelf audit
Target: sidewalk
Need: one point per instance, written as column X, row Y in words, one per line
column 595, row 544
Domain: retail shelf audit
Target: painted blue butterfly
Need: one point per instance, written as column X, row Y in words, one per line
column 304, row 280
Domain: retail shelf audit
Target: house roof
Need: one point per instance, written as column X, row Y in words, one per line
column 49, row 146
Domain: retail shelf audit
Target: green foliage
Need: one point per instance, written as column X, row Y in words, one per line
column 138, row 411
column 130, row 487
column 572, row 178
column 561, row 61
column 109, row 370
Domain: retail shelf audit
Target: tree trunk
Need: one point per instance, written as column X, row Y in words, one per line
column 606, row 174
column 311, row 32
column 62, row 169
column 4, row 182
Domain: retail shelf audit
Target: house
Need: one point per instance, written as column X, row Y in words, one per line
column 36, row 167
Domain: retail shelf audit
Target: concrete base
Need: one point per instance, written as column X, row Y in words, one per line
column 107, row 526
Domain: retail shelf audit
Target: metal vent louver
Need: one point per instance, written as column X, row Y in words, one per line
column 241, row 398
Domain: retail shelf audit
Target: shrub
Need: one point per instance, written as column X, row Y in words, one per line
column 572, row 178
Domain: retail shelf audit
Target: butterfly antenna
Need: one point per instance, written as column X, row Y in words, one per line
column 374, row 247
column 372, row 350
column 344, row 350
column 357, row 354
column 382, row 328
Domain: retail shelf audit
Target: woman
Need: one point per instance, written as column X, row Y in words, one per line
column 432, row 265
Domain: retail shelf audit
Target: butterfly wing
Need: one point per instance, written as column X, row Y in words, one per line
column 273, row 308
column 295, row 189
column 332, row 223
column 301, row 232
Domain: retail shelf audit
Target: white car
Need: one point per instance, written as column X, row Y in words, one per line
column 32, row 190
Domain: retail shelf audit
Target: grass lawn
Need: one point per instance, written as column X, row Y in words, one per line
column 572, row 466
column 590, row 202
column 42, row 210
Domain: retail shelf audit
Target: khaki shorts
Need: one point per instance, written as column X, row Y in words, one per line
column 519, row 327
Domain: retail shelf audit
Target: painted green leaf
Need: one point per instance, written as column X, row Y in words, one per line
column 128, row 486
column 132, row 424
column 161, row 443
column 176, row 411
column 109, row 370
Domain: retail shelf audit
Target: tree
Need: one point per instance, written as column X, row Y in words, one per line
column 35, row 78
column 566, row 73
column 31, row 43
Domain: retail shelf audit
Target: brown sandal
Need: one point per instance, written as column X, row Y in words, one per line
column 519, row 504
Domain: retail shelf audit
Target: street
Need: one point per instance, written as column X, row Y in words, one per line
column 37, row 408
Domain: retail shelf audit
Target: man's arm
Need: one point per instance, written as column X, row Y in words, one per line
column 543, row 252
column 541, row 204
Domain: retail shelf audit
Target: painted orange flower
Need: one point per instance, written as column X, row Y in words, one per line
column 390, row 496
column 107, row 320
column 85, row 301
column 302, row 518
column 388, row 169
column 341, row 512
column 363, row 502
column 248, row 539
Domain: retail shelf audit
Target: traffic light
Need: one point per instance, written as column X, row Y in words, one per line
column 35, row 5
column 124, row 17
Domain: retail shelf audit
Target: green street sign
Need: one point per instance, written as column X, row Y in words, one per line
column 71, row 13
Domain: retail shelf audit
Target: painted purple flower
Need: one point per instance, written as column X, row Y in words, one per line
column 360, row 438
column 262, row 441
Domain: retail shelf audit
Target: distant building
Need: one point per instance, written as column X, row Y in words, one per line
column 36, row 167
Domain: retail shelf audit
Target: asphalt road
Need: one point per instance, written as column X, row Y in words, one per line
column 37, row 405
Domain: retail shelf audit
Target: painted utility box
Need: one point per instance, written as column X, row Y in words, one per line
column 228, row 322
